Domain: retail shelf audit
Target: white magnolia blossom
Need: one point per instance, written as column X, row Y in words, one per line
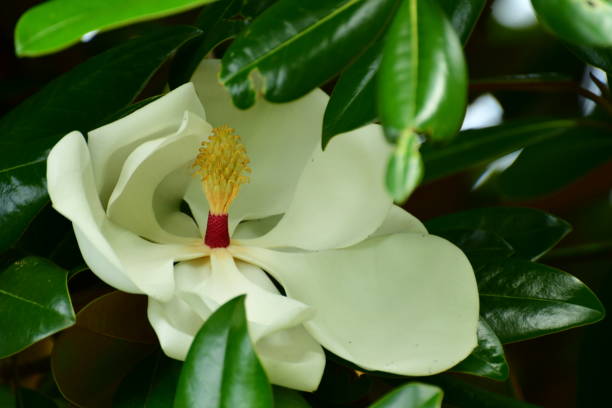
column 362, row 277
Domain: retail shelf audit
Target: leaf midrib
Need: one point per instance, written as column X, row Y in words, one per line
column 536, row 300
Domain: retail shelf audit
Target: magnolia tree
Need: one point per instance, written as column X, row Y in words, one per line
column 213, row 210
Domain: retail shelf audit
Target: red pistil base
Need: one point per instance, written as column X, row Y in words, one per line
column 217, row 232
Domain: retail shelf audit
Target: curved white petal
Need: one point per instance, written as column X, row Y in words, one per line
column 399, row 220
column 131, row 204
column 111, row 144
column 279, row 139
column 119, row 257
column 404, row 303
column 340, row 198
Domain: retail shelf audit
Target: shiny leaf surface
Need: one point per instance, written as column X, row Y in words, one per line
column 521, row 300
column 79, row 100
column 479, row 246
column 216, row 26
column 221, row 368
column 35, row 303
column 463, row 15
column 582, row 22
column 285, row 42
column 151, row 384
column 487, row 359
column 405, row 167
column 530, row 232
column 477, row 146
column 566, row 158
column 422, row 80
column 113, row 328
column 412, row 395
column 54, row 25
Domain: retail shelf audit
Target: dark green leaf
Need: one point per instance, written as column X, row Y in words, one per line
column 285, row 42
column 79, row 100
column 463, row 15
column 405, row 167
column 111, row 336
column 412, row 395
column 487, row 359
column 253, row 8
column 216, row 26
column 7, row 398
column 422, row 80
column 479, row 246
column 353, row 102
column 286, row 398
column 521, row 300
column 582, row 22
column 54, row 25
column 548, row 166
column 476, row 146
column 221, row 368
column 599, row 57
column 460, row 394
column 35, row 303
column 152, row 384
column 27, row 398
column 530, row 232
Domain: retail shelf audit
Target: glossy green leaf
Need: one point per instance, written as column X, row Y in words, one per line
column 253, row 8
column 54, row 25
column 111, row 336
column 487, row 359
column 548, row 166
column 422, row 80
column 217, row 26
column 463, row 15
column 405, row 167
column 530, row 232
column 479, row 246
column 477, row 146
column 79, row 100
column 353, row 102
column 412, row 395
column 151, row 384
column 286, row 398
column 35, row 303
column 460, row 394
column 521, row 300
column 284, row 43
column 221, row 368
column 582, row 22
column 599, row 57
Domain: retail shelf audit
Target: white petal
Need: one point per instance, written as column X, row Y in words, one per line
column 111, row 144
column 405, row 303
column 340, row 198
column 399, row 220
column 131, row 203
column 279, row 140
column 119, row 257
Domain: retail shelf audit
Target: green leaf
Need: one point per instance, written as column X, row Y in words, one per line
column 412, row 395
column 284, row 43
column 599, row 57
column 353, row 101
column 530, row 232
column 151, row 384
column 111, row 336
column 405, row 167
column 216, row 26
column 221, row 368
column 79, row 100
column 54, row 25
column 7, row 398
column 286, row 398
column 35, row 303
column 463, row 15
column 522, row 300
column 548, row 166
column 582, row 22
column 422, row 80
column 487, row 359
column 477, row 146
column 480, row 246
column 27, row 398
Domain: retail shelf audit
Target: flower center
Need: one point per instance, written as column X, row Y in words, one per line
column 221, row 164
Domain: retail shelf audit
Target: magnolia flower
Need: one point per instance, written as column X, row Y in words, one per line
column 312, row 238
